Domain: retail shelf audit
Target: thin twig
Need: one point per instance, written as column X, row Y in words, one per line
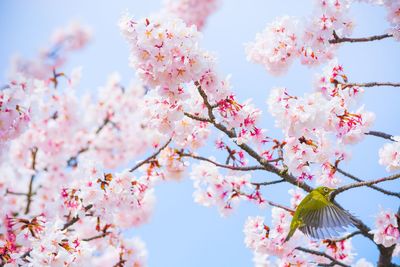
column 336, row 39
column 372, row 84
column 96, row 237
column 235, row 168
column 9, row 192
column 154, row 155
column 269, row 183
column 30, row 187
column 346, row 236
column 197, row 118
column 381, row 135
column 101, row 127
column 75, row 219
column 322, row 254
column 280, row 206
column 386, row 192
column 366, row 183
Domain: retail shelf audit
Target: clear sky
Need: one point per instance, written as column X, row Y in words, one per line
column 181, row 233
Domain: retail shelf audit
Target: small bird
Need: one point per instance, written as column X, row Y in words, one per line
column 318, row 217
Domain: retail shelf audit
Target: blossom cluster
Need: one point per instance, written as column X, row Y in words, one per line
column 166, row 56
column 223, row 191
column 192, row 12
column 318, row 126
column 311, row 40
column 387, row 230
column 389, row 155
column 14, row 110
column 287, row 38
column 164, row 51
column 54, row 200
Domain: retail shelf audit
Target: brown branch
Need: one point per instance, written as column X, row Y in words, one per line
column 232, row 134
column 386, row 192
column 154, row 155
column 101, row 127
column 235, row 168
column 75, row 219
column 372, row 84
column 381, row 135
column 280, row 206
column 197, row 118
column 322, row 254
column 269, row 183
column 336, row 39
column 9, row 192
column 30, row 187
column 104, row 234
column 269, row 167
column 346, row 236
column 366, row 183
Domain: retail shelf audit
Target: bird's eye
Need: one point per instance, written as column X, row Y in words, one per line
column 326, row 190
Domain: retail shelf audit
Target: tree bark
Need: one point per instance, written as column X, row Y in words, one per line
column 385, row 256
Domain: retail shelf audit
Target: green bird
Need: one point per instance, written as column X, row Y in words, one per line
column 316, row 216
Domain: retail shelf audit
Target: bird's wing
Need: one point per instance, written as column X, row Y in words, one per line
column 322, row 219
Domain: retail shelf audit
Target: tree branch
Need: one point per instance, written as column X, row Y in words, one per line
column 104, row 234
column 280, row 206
column 155, row 154
column 269, row 167
column 30, row 187
column 231, row 134
column 373, row 84
column 346, row 236
column 75, row 219
column 336, row 39
column 381, row 135
column 268, row 183
column 322, row 254
column 366, row 183
column 386, row 192
column 197, row 118
column 244, row 168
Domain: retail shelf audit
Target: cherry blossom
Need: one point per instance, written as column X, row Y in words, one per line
column 192, row 12
column 164, row 51
column 222, row 191
column 288, row 38
column 389, row 155
column 319, row 125
column 277, row 46
column 14, row 111
column 387, row 232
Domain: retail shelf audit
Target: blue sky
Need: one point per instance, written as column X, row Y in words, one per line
column 181, row 233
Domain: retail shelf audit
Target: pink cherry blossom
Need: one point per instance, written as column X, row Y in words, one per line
column 386, row 232
column 277, row 46
column 164, row 51
column 389, row 155
column 192, row 12
column 222, row 191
